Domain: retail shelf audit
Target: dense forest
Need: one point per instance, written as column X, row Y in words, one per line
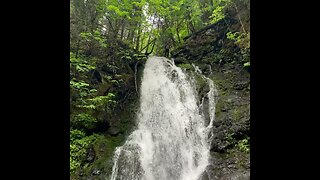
column 110, row 40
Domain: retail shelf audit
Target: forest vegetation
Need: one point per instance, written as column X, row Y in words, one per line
column 109, row 42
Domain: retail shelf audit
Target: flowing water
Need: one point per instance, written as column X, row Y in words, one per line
column 171, row 141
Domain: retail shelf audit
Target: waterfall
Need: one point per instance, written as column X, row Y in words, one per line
column 171, row 141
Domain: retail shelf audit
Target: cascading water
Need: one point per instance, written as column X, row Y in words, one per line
column 171, row 141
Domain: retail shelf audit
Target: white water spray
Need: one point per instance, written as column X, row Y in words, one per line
column 171, row 141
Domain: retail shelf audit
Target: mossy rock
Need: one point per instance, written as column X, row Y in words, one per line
column 103, row 148
column 186, row 66
column 240, row 112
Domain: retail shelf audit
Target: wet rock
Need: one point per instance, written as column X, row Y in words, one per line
column 240, row 175
column 96, row 172
column 220, row 60
column 241, row 85
column 179, row 60
column 113, row 131
column 204, row 176
column 216, row 123
column 224, row 109
column 90, row 154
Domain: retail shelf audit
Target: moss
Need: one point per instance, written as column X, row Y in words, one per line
column 222, row 105
column 186, row 66
column 240, row 112
column 242, row 158
column 222, row 83
column 242, row 164
column 127, row 120
column 218, row 108
column 110, row 143
column 200, row 81
column 104, row 148
column 236, row 114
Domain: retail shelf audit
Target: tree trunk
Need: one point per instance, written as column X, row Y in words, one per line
column 138, row 37
column 122, row 29
column 178, row 35
column 239, row 18
column 148, row 44
column 142, row 39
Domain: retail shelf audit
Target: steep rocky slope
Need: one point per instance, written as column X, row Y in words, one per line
column 222, row 60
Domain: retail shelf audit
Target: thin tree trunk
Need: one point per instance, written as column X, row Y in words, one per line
column 177, row 29
column 138, row 37
column 154, row 42
column 239, row 18
column 130, row 37
column 110, row 25
column 122, row 29
column 141, row 44
column 116, row 30
column 147, row 44
column 129, row 30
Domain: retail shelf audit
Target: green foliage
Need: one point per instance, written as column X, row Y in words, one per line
column 126, row 55
column 239, row 38
column 233, row 36
column 244, row 145
column 89, row 106
column 79, row 144
column 94, row 37
column 84, row 102
column 76, row 134
column 84, row 120
column 104, row 103
column 229, row 138
column 217, row 14
column 242, row 40
column 79, row 85
column 79, row 65
column 185, row 66
column 112, row 67
column 218, row 11
column 247, row 64
column 107, row 36
column 241, row 145
column 117, row 10
column 82, row 89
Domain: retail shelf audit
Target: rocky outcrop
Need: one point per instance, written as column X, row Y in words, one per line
column 222, row 61
column 231, row 127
